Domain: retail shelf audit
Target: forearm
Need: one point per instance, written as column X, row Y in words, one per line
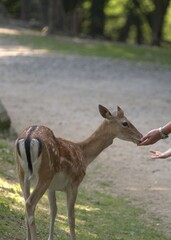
column 167, row 153
column 167, row 128
column 156, row 134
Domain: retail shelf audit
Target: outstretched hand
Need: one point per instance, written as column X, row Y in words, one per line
column 157, row 154
column 150, row 138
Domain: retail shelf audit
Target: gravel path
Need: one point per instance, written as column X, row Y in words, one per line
column 63, row 92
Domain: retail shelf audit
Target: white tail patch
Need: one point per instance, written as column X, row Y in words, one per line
column 35, row 158
column 22, row 156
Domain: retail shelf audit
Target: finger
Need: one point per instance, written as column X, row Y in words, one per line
column 143, row 138
column 145, row 142
column 152, row 151
column 154, row 157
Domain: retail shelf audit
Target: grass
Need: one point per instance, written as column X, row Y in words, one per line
column 98, row 216
column 100, row 49
column 85, row 47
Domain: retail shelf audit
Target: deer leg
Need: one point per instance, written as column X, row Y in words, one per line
column 71, row 199
column 31, row 203
column 25, row 186
column 26, row 192
column 53, row 211
column 29, row 209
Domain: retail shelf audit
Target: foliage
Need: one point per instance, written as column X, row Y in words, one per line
column 167, row 26
column 132, row 21
column 13, row 7
column 98, row 216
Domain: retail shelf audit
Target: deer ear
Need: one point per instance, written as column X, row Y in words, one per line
column 105, row 112
column 120, row 112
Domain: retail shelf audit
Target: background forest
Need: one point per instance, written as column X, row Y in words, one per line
column 132, row 21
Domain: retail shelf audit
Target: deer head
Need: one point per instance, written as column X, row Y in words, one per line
column 119, row 125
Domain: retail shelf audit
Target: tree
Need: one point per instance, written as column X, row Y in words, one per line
column 25, row 10
column 137, row 14
column 141, row 21
column 56, row 16
column 63, row 16
column 44, row 4
column 158, row 16
column 133, row 18
column 97, row 17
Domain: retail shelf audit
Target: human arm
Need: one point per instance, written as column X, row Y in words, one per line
column 158, row 154
column 155, row 135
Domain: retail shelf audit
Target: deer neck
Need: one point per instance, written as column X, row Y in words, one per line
column 97, row 142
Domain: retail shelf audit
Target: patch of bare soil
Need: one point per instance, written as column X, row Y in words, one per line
column 63, row 92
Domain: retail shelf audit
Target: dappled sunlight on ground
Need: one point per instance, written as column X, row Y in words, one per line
column 13, row 49
column 10, row 194
column 86, row 208
column 9, row 31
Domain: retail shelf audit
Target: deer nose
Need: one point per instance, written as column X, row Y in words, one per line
column 138, row 139
column 140, row 135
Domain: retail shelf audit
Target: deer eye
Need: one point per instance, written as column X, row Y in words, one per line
column 125, row 124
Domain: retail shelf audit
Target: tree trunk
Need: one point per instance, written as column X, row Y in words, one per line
column 158, row 20
column 133, row 19
column 97, row 17
column 44, row 10
column 73, row 21
column 139, row 32
column 64, row 18
column 56, row 16
column 25, row 10
column 124, row 31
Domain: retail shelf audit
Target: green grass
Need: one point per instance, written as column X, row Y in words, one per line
column 98, row 216
column 112, row 50
column 76, row 46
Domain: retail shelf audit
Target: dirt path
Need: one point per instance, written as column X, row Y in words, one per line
column 63, row 92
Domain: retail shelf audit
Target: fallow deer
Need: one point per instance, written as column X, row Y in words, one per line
column 57, row 164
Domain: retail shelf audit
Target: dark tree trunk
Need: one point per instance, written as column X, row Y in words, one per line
column 70, row 5
column 158, row 20
column 44, row 9
column 133, row 19
column 139, row 32
column 25, row 10
column 97, row 17
column 64, row 17
column 73, row 21
column 124, row 31
column 56, row 16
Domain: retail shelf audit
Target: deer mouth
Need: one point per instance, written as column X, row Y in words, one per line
column 137, row 140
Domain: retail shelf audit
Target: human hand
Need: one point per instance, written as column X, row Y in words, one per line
column 150, row 138
column 157, row 154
